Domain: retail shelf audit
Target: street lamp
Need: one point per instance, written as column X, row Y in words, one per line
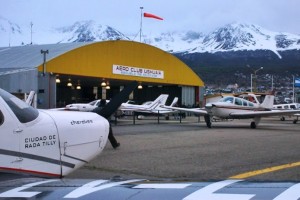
column 253, row 83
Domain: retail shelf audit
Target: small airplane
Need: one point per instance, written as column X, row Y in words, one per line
column 51, row 143
column 148, row 107
column 288, row 106
column 85, row 107
column 155, row 110
column 125, row 107
column 230, row 107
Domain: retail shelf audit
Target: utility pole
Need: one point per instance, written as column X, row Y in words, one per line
column 253, row 82
column 293, row 88
column 31, row 24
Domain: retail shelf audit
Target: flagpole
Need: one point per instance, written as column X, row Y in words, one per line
column 141, row 25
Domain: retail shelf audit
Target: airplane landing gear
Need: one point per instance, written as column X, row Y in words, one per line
column 207, row 120
column 253, row 125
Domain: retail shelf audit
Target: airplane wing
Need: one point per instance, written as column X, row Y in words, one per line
column 193, row 110
column 249, row 114
column 37, row 188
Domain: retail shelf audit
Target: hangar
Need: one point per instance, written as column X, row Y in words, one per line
column 81, row 72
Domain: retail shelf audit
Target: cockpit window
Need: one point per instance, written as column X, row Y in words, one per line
column 238, row 102
column 251, row 104
column 227, row 99
column 93, row 103
column 293, row 106
column 23, row 111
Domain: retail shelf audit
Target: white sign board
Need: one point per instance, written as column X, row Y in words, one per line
column 136, row 71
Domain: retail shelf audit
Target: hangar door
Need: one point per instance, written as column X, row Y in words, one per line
column 188, row 96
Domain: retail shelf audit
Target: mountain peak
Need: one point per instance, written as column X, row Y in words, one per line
column 87, row 31
column 230, row 37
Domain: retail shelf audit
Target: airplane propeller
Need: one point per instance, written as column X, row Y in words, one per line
column 117, row 100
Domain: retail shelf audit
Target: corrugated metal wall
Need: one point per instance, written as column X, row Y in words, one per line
column 20, row 82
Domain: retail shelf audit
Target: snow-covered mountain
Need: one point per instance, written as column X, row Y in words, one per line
column 83, row 31
column 231, row 37
column 88, row 31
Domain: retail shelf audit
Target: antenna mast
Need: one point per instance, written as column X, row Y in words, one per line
column 31, row 24
column 141, row 25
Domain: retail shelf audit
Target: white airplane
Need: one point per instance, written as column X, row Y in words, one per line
column 51, row 142
column 156, row 110
column 86, row 107
column 238, row 108
column 288, row 106
column 148, row 107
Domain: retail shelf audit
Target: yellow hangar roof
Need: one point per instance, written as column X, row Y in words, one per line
column 123, row 60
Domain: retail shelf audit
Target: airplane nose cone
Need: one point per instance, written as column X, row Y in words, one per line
column 82, row 136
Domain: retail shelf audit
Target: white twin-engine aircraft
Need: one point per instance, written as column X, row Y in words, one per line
column 231, row 107
column 51, row 142
column 154, row 107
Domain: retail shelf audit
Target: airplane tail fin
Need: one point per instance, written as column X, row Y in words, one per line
column 117, row 100
column 161, row 100
column 174, row 102
column 30, row 98
column 268, row 101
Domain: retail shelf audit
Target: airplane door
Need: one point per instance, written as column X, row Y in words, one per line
column 10, row 139
column 39, row 145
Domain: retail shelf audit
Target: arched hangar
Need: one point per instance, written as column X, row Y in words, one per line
column 65, row 73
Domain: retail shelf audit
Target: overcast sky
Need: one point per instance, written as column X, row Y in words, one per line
column 124, row 15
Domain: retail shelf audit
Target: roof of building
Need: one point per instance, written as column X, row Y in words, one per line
column 97, row 59
column 24, row 57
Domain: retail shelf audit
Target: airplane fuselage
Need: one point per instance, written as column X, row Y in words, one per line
column 224, row 110
column 47, row 142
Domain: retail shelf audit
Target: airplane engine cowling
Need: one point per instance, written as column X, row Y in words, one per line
column 82, row 136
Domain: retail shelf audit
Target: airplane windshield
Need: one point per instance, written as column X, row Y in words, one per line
column 23, row 112
column 93, row 103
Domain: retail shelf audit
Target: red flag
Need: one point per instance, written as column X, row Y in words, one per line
column 152, row 16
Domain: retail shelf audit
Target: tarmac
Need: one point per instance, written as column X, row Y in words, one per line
column 188, row 150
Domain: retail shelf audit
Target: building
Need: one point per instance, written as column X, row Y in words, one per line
column 73, row 72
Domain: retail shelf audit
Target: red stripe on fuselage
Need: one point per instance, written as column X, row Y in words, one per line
column 30, row 172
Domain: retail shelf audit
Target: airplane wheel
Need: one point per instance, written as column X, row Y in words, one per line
column 295, row 121
column 253, row 125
